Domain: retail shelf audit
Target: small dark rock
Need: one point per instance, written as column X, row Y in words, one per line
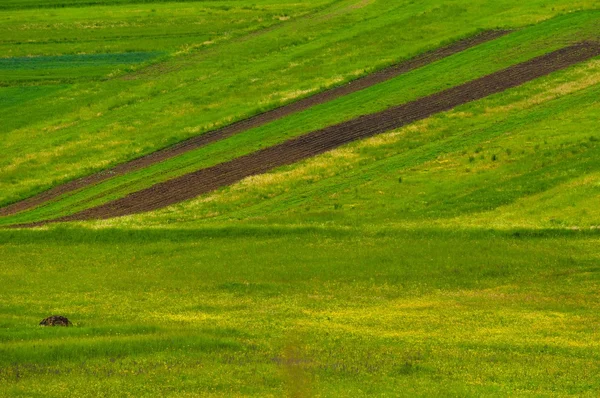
column 56, row 320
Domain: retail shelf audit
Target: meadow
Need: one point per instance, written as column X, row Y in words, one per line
column 292, row 311
column 100, row 124
column 455, row 256
column 473, row 63
column 527, row 157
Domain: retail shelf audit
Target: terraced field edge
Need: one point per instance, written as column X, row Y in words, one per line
column 255, row 121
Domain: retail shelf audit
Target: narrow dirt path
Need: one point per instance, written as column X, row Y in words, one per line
column 202, row 181
column 255, row 121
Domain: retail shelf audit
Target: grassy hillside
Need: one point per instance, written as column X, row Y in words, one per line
column 482, row 164
column 134, row 26
column 456, row 256
column 97, row 124
column 474, row 63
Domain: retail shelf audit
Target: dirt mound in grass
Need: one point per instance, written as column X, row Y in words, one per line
column 55, row 320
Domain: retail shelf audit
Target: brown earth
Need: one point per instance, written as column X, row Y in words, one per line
column 55, row 320
column 205, row 180
column 255, row 121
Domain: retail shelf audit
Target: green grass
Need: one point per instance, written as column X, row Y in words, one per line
column 99, row 124
column 457, row 256
column 12, row 97
column 67, row 68
column 133, row 26
column 25, row 4
column 526, row 158
column 477, row 62
column 272, row 311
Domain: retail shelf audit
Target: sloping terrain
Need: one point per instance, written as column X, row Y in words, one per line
column 467, row 65
column 258, row 120
column 278, row 56
column 523, row 158
column 433, row 234
column 206, row 180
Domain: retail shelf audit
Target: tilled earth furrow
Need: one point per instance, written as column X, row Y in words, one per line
column 252, row 122
column 205, row 180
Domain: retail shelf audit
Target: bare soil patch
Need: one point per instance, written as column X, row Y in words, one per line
column 55, row 320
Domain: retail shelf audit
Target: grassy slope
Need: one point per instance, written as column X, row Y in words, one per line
column 381, row 287
column 332, row 277
column 170, row 27
column 466, row 66
column 97, row 124
column 490, row 156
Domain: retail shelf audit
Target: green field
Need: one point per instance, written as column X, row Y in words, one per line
column 95, row 125
column 274, row 311
column 455, row 256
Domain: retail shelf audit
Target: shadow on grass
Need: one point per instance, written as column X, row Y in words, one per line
column 70, row 234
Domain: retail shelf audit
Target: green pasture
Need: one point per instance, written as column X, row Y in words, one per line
column 528, row 157
column 468, row 65
column 290, row 311
column 136, row 26
column 454, row 257
column 200, row 87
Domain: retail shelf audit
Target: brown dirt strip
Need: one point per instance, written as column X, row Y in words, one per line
column 252, row 122
column 202, row 181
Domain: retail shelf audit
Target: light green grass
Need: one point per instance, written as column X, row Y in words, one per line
column 136, row 26
column 281, row 311
column 11, row 98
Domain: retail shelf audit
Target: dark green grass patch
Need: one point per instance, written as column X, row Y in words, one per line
column 16, row 96
column 75, row 61
column 68, row 68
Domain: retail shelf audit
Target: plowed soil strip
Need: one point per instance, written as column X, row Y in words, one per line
column 202, row 181
column 255, row 121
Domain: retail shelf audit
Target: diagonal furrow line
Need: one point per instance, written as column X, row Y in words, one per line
column 205, row 180
column 252, row 122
